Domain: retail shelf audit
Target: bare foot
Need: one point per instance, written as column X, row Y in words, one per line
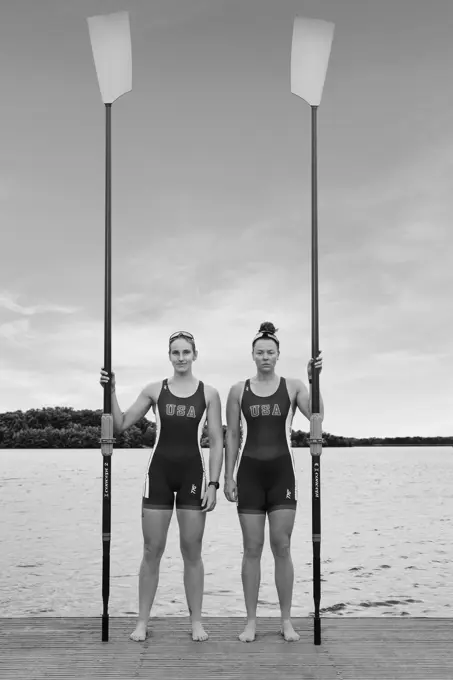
column 288, row 632
column 198, row 632
column 249, row 632
column 140, row 633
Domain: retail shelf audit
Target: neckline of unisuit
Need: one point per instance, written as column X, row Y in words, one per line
column 267, row 395
column 188, row 396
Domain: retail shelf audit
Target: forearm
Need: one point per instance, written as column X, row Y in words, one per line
column 321, row 403
column 118, row 416
column 215, row 460
column 231, row 453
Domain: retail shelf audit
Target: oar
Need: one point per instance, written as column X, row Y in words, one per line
column 311, row 45
column 111, row 43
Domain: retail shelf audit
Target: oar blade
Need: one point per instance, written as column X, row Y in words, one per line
column 310, row 52
column 110, row 37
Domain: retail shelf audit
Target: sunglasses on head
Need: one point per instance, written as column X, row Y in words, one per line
column 183, row 334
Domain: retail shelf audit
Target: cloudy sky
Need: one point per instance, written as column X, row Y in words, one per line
column 211, row 204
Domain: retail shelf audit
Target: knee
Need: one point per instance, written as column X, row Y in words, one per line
column 253, row 550
column 191, row 550
column 152, row 552
column 281, row 547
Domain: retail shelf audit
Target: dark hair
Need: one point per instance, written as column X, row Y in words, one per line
column 267, row 328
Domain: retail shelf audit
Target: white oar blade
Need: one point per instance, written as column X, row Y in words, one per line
column 110, row 37
column 310, row 51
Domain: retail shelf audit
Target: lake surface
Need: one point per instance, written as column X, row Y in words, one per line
column 386, row 548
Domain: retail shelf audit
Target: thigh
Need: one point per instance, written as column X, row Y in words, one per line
column 155, row 525
column 281, row 487
column 251, row 497
column 158, row 493
column 190, row 480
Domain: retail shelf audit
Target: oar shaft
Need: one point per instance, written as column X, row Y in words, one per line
column 107, row 447
column 314, row 258
column 108, row 255
column 107, row 419
column 315, row 420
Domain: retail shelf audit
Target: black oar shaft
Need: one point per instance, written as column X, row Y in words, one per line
column 314, row 258
column 108, row 255
column 315, row 421
column 107, row 421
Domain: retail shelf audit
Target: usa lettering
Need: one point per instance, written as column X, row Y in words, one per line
column 264, row 410
column 180, row 410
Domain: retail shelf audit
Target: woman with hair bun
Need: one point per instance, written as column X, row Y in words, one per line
column 262, row 409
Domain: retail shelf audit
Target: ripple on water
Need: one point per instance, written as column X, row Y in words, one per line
column 334, row 608
column 386, row 603
column 219, row 593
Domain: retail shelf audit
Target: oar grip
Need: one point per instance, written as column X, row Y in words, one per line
column 107, row 439
column 315, row 434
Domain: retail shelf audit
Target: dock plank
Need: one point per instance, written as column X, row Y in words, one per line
column 352, row 648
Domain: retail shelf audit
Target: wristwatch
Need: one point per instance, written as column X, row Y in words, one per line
column 216, row 484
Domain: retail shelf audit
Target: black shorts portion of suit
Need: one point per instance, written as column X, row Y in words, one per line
column 266, row 485
column 168, row 477
column 266, row 478
column 176, row 466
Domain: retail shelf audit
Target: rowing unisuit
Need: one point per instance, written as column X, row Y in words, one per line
column 266, row 477
column 176, row 463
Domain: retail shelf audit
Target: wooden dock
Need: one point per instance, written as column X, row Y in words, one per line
column 352, row 648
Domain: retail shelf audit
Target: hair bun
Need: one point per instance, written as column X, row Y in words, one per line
column 268, row 327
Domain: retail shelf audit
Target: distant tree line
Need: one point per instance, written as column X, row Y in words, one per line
column 62, row 427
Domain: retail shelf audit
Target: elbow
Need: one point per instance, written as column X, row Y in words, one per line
column 119, row 429
column 216, row 443
column 232, row 438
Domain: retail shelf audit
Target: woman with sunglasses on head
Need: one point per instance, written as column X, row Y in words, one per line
column 263, row 408
column 181, row 405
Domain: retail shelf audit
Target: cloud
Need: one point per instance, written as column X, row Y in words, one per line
column 9, row 301
column 17, row 332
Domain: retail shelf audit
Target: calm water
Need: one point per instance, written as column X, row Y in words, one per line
column 386, row 537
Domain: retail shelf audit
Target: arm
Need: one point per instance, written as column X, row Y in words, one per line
column 215, row 434
column 303, row 399
column 116, row 414
column 233, row 412
column 141, row 406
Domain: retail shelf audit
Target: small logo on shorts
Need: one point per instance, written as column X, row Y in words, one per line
column 288, row 493
column 194, row 489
